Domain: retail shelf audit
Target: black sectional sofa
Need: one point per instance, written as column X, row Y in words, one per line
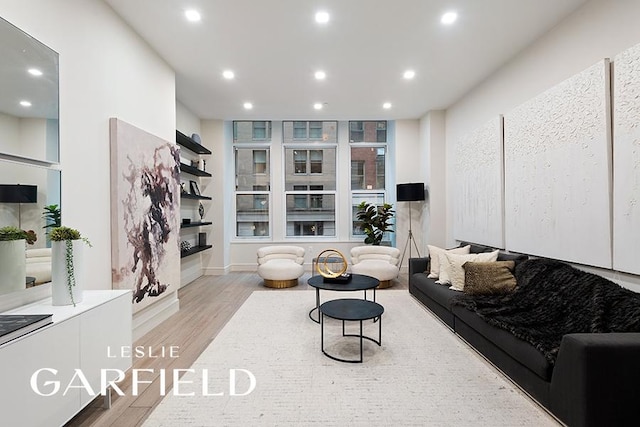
column 593, row 378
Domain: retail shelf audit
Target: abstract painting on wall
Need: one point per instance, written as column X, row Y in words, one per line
column 626, row 149
column 479, row 200
column 145, row 214
column 558, row 171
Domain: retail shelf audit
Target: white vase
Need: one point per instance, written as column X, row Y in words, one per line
column 13, row 266
column 60, row 293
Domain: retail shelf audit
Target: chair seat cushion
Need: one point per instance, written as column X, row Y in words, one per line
column 280, row 269
column 376, row 268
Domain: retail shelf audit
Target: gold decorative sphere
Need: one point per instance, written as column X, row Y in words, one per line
column 325, row 260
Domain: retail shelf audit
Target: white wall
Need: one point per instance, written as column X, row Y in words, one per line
column 599, row 29
column 106, row 70
column 409, row 168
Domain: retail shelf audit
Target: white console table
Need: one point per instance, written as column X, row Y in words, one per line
column 78, row 338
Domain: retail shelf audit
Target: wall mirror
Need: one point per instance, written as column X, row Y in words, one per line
column 28, row 96
column 29, row 139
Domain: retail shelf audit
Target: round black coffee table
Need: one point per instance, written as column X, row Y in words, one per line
column 350, row 309
column 358, row 282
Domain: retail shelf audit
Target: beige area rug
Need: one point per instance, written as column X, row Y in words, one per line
column 422, row 375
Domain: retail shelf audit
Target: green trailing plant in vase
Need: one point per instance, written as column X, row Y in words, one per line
column 68, row 236
column 375, row 221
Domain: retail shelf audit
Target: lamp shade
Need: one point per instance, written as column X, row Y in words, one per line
column 411, row 192
column 16, row 193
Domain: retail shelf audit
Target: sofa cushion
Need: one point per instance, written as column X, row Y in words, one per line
column 434, row 255
column 488, row 278
column 520, row 350
column 451, row 270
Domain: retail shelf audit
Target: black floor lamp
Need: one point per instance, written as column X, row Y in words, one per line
column 412, row 192
column 16, row 193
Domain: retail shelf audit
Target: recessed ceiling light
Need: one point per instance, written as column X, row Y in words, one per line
column 322, row 17
column 449, row 18
column 34, row 72
column 25, row 103
column 192, row 15
column 247, row 105
column 386, row 105
column 320, row 75
column 228, row 74
column 317, row 106
column 409, row 74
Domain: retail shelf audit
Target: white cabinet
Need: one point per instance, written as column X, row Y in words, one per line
column 78, row 340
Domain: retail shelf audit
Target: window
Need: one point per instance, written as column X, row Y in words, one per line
column 252, row 177
column 369, row 131
column 261, row 130
column 310, row 190
column 368, row 167
column 259, row 161
column 252, row 215
column 368, row 179
column 315, row 161
column 308, row 228
column 305, row 205
column 373, row 198
column 247, row 131
column 315, row 131
column 357, row 174
column 299, row 130
column 300, row 161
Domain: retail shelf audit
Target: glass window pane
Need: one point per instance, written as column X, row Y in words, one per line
column 259, row 161
column 357, row 174
column 299, row 131
column 315, row 130
column 252, row 215
column 316, row 218
column 356, row 199
column 368, row 168
column 315, row 157
column 248, row 131
column 300, row 161
column 252, row 168
column 310, row 167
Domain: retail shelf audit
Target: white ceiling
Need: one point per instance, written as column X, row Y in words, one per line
column 275, row 46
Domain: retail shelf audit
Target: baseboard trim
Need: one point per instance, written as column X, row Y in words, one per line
column 146, row 320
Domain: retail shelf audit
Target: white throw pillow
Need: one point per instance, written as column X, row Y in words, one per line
column 434, row 254
column 452, row 270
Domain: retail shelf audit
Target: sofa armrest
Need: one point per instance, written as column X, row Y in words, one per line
column 418, row 265
column 595, row 379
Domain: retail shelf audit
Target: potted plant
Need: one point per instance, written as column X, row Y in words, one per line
column 67, row 267
column 13, row 257
column 52, row 216
column 375, row 221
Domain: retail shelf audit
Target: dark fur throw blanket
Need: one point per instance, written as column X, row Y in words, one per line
column 553, row 299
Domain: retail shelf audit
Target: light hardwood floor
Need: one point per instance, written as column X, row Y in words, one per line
column 206, row 304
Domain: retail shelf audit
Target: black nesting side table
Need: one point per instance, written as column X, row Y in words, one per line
column 349, row 309
column 358, row 282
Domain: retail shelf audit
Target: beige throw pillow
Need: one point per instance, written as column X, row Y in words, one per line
column 452, row 270
column 489, row 278
column 434, row 255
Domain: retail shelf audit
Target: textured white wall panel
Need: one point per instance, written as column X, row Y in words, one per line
column 626, row 161
column 478, row 180
column 558, row 171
